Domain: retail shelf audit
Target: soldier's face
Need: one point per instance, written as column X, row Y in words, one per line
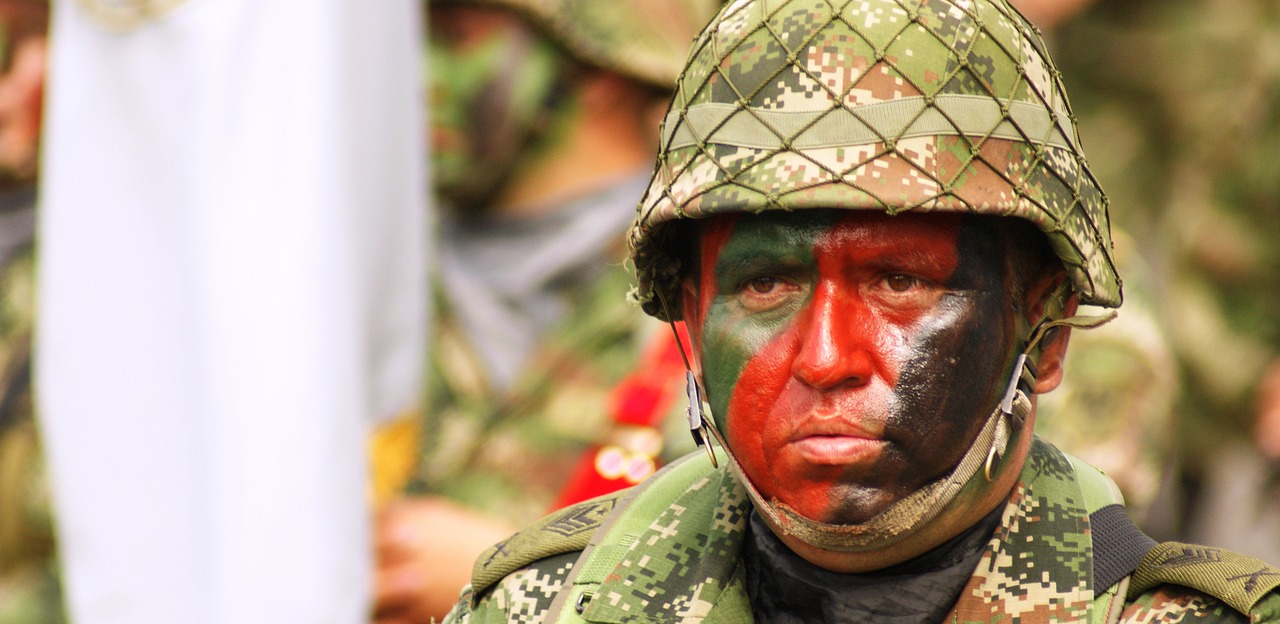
column 492, row 79
column 852, row 356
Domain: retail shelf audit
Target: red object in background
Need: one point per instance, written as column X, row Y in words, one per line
column 637, row 406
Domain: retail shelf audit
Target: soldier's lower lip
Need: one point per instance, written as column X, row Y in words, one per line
column 836, row 450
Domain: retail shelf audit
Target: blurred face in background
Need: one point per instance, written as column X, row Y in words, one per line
column 1049, row 13
column 493, row 83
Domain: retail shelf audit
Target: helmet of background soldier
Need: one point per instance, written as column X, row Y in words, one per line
column 924, row 105
column 645, row 39
column 492, row 105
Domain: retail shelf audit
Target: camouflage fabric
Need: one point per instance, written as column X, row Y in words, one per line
column 888, row 105
column 1124, row 367
column 643, row 39
column 510, row 453
column 686, row 565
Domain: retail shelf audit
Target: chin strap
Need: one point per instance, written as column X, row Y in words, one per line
column 903, row 518
column 698, row 426
column 907, row 516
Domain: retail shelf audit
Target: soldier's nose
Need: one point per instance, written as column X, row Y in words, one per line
column 836, row 342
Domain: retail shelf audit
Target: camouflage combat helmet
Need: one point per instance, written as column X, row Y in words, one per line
column 644, row 39
column 891, row 105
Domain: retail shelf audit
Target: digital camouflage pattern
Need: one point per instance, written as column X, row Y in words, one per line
column 888, row 105
column 643, row 39
column 685, row 565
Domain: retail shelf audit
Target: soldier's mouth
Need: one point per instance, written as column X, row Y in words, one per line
column 836, row 450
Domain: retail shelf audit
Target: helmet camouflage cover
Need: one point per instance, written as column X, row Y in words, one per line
column 890, row 105
column 645, row 39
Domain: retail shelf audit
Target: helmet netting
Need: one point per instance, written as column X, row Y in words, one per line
column 889, row 105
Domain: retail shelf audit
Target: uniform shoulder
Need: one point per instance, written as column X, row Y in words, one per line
column 562, row 532
column 526, row 571
column 1191, row 584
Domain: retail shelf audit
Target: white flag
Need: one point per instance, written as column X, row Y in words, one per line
column 231, row 292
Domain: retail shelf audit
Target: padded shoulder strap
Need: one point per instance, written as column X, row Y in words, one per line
column 567, row 530
column 620, row 529
column 1240, row 581
column 1118, row 545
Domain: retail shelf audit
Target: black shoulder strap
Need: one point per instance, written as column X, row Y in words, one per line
column 1118, row 545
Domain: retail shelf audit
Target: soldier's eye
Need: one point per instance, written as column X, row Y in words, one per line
column 900, row 283
column 762, row 285
column 765, row 292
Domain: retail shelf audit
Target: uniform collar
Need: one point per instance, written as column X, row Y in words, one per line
column 687, row 566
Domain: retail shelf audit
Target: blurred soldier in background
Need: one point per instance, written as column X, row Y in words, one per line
column 29, row 591
column 1185, row 93
column 544, row 387
column 1125, row 367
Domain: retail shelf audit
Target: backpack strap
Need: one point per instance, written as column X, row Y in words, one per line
column 1118, row 544
column 1238, row 580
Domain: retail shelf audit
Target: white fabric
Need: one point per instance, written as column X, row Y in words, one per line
column 231, row 292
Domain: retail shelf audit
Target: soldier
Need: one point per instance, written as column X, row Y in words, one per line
column 544, row 388
column 877, row 221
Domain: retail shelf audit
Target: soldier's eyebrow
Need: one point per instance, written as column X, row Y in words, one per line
column 754, row 250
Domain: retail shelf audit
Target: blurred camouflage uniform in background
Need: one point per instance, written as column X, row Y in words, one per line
column 1124, row 367
column 527, row 360
column 1185, row 94
column 544, row 386
column 29, row 588
column 29, row 591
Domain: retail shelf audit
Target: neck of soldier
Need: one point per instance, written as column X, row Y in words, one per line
column 603, row 134
column 979, row 498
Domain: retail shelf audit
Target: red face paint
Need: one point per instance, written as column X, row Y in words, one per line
column 853, row 356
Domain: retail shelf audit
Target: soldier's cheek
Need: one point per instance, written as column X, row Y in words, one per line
column 947, row 384
column 762, row 413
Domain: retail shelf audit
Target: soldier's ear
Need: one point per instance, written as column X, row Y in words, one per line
column 1050, row 297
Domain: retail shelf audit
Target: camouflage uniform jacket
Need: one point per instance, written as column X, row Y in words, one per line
column 674, row 556
column 510, row 453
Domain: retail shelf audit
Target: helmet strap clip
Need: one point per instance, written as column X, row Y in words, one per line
column 698, row 426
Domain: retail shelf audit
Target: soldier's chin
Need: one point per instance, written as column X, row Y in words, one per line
column 845, row 504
